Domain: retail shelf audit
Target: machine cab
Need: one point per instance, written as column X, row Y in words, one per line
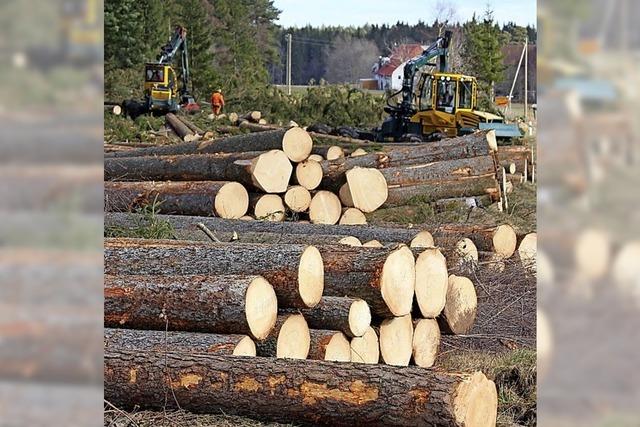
column 447, row 93
column 160, row 87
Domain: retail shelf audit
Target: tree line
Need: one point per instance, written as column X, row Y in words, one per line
column 237, row 46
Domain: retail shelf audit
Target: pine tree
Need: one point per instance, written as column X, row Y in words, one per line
column 194, row 16
column 482, row 54
column 156, row 27
column 123, row 32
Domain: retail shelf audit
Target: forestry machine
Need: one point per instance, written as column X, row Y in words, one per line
column 161, row 90
column 443, row 104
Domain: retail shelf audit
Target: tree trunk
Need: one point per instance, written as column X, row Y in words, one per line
column 239, row 304
column 186, row 342
column 350, row 316
column 384, row 278
column 253, row 169
column 180, row 128
column 436, row 171
column 474, row 145
column 295, row 271
column 263, row 141
column 309, row 393
column 329, row 345
column 226, row 199
column 443, row 189
column 191, row 126
column 219, row 225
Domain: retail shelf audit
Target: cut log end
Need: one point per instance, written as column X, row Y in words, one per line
column 358, row 152
column 475, row 402
column 368, row 188
column 504, row 241
column 271, row 171
column 492, row 142
column 528, row 249
column 359, row 318
column 338, row 349
column 294, row 339
column 316, row 158
column 325, row 208
column 297, row 144
column 459, row 312
column 372, row 244
column 350, row 241
column 398, row 281
column 261, row 308
column 396, row 340
column 311, row 276
column 592, row 253
column 345, row 195
column 245, row 347
column 467, row 251
column 270, row 208
column 431, row 282
column 365, row 349
column 232, row 201
column 426, row 342
column 335, row 152
column 423, row 239
column 309, row 174
column 297, row 198
column 353, row 216
column 117, row 110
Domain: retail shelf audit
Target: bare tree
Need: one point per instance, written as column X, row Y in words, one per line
column 445, row 13
column 350, row 59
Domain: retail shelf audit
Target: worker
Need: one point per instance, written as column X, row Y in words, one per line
column 217, row 101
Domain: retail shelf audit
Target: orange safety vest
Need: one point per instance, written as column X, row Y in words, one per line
column 217, row 99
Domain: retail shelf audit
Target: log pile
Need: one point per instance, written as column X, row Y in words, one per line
column 283, row 162
column 313, row 320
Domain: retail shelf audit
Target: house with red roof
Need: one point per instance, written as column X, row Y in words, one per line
column 388, row 70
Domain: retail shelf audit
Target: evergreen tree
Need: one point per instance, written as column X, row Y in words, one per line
column 156, row 27
column 123, row 32
column 482, row 54
column 194, row 16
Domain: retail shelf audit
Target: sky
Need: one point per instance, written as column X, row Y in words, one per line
column 298, row 13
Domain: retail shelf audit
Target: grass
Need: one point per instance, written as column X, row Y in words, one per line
column 148, row 226
column 514, row 374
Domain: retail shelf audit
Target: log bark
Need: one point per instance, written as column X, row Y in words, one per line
column 296, row 272
column 264, row 141
column 303, row 392
column 383, row 277
column 220, row 225
column 350, row 316
column 226, row 199
column 474, row 145
column 329, row 345
column 185, row 342
column 436, row 171
column 180, row 128
column 253, row 169
column 195, row 129
column 226, row 304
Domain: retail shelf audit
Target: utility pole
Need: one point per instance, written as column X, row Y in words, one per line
column 289, row 64
column 526, row 79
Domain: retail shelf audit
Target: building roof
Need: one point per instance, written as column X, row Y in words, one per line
column 399, row 55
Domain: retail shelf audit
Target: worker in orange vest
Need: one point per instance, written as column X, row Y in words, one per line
column 217, row 101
